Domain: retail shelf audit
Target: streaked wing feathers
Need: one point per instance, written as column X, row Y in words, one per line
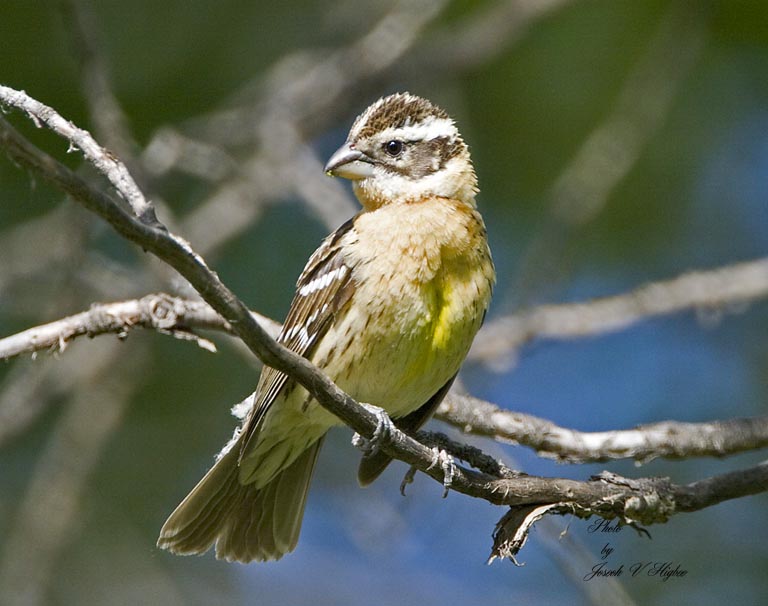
column 323, row 289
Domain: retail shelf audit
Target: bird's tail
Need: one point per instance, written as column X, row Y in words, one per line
column 245, row 522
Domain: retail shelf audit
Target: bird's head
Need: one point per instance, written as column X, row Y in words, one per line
column 403, row 149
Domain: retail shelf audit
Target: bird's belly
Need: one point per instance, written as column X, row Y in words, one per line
column 411, row 349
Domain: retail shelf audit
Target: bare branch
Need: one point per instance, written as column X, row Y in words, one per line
column 310, row 87
column 669, row 439
column 106, row 162
column 304, row 90
column 643, row 501
column 470, row 454
column 298, row 97
column 169, row 315
column 709, row 292
column 705, row 493
column 714, row 291
column 479, row 37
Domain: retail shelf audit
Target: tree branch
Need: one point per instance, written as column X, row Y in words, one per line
column 711, row 491
column 111, row 124
column 104, row 161
column 169, row 315
column 643, row 501
column 712, row 292
column 668, row 439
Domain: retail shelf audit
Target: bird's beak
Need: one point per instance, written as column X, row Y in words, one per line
column 349, row 163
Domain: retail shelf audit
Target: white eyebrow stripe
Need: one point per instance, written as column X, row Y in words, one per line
column 431, row 128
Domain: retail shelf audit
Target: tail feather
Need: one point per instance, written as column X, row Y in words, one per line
column 193, row 526
column 200, row 532
column 292, row 488
column 246, row 523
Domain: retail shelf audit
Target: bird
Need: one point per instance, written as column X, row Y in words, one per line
column 387, row 307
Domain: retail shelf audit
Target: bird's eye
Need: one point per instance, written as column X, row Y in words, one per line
column 394, row 148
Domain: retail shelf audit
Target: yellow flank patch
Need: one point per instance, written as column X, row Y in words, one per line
column 443, row 322
column 436, row 333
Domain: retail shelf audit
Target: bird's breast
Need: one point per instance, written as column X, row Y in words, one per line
column 416, row 309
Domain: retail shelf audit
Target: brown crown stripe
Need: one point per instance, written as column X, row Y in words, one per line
column 395, row 111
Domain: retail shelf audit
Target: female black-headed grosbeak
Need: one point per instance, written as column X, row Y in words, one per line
column 387, row 307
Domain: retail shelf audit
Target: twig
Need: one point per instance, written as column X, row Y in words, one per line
column 470, row 454
column 310, row 88
column 301, row 95
column 304, row 92
column 638, row 502
column 644, row 501
column 478, row 38
column 109, row 120
column 710, row 491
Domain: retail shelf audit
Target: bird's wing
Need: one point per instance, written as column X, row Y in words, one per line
column 323, row 289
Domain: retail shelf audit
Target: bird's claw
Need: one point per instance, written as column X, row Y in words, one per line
column 383, row 432
column 408, row 478
column 445, row 461
column 440, row 458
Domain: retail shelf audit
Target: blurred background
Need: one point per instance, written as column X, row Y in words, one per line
column 616, row 143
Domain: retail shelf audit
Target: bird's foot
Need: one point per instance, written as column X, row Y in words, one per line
column 385, row 428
